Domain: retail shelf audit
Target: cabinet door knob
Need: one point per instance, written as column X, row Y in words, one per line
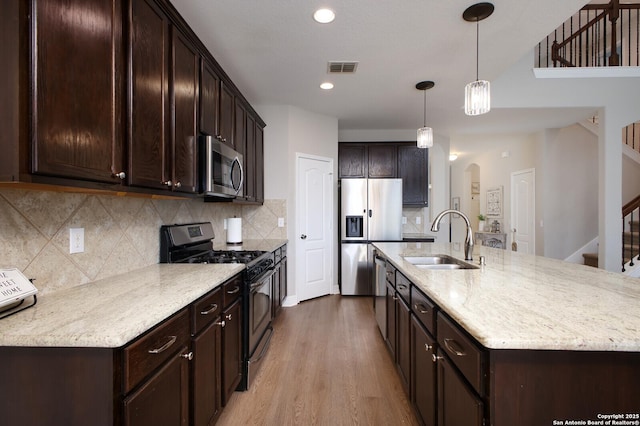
column 228, row 317
column 303, row 236
column 435, row 357
column 188, row 356
column 167, row 183
column 177, row 185
column 221, row 323
column 121, row 175
column 428, row 347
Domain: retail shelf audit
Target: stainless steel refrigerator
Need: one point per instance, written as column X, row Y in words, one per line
column 370, row 211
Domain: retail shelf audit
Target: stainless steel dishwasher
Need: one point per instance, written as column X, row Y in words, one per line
column 380, row 294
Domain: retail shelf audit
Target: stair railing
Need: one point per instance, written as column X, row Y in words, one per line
column 593, row 38
column 630, row 247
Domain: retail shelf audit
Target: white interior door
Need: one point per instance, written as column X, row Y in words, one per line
column 523, row 210
column 314, row 248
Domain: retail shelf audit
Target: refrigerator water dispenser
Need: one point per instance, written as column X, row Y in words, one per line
column 354, row 226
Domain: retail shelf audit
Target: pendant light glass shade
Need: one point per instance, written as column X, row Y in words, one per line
column 425, row 134
column 425, row 137
column 477, row 98
column 477, row 95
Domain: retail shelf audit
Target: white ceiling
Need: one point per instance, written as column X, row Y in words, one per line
column 276, row 54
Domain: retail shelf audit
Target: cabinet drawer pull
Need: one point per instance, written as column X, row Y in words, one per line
column 234, row 291
column 450, row 343
column 172, row 340
column 212, row 308
column 421, row 308
column 188, row 356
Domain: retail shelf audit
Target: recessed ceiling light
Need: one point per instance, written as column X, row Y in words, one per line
column 324, row 16
column 326, row 86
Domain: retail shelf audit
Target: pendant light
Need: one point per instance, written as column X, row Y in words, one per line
column 425, row 134
column 477, row 95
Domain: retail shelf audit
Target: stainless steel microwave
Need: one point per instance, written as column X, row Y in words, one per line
column 223, row 174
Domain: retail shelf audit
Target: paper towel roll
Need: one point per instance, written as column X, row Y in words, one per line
column 234, row 230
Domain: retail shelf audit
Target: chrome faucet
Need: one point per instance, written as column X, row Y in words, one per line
column 468, row 242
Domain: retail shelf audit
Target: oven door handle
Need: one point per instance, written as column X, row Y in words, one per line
column 258, row 281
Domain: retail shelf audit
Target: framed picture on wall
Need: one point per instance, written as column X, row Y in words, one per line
column 475, row 187
column 494, row 202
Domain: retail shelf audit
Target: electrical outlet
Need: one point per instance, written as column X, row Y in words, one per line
column 76, row 240
column 404, row 220
column 281, row 222
column 224, row 223
column 418, row 220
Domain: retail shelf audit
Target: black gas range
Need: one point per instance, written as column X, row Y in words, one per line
column 193, row 243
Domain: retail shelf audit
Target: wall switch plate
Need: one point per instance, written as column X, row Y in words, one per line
column 404, row 220
column 418, row 220
column 224, row 223
column 76, row 240
column 281, row 222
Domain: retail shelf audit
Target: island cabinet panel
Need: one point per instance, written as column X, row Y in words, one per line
column 537, row 387
column 423, row 373
column 150, row 112
column 77, row 128
column 412, row 169
column 458, row 404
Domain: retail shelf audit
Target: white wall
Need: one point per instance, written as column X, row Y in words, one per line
column 569, row 184
column 291, row 130
column 496, row 156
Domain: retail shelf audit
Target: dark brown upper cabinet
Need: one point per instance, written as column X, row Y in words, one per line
column 185, row 109
column 163, row 102
column 209, row 86
column 250, row 160
column 149, row 97
column 388, row 160
column 382, row 161
column 76, row 127
column 352, row 160
column 225, row 116
column 412, row 168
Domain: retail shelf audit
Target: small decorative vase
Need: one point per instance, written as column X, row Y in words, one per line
column 481, row 225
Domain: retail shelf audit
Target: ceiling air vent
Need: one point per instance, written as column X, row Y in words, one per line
column 342, row 67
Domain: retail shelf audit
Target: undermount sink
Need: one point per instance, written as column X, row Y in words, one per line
column 439, row 261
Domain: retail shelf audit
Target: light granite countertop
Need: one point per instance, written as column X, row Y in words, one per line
column 109, row 313
column 520, row 301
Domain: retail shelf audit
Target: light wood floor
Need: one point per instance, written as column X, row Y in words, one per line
column 327, row 365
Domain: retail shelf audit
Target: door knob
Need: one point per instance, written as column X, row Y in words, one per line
column 303, row 236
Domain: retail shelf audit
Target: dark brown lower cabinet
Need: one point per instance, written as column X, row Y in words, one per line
column 164, row 398
column 423, row 373
column 231, row 349
column 403, row 348
column 458, row 405
column 206, row 383
column 391, row 320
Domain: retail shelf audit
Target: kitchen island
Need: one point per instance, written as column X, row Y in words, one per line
column 545, row 340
